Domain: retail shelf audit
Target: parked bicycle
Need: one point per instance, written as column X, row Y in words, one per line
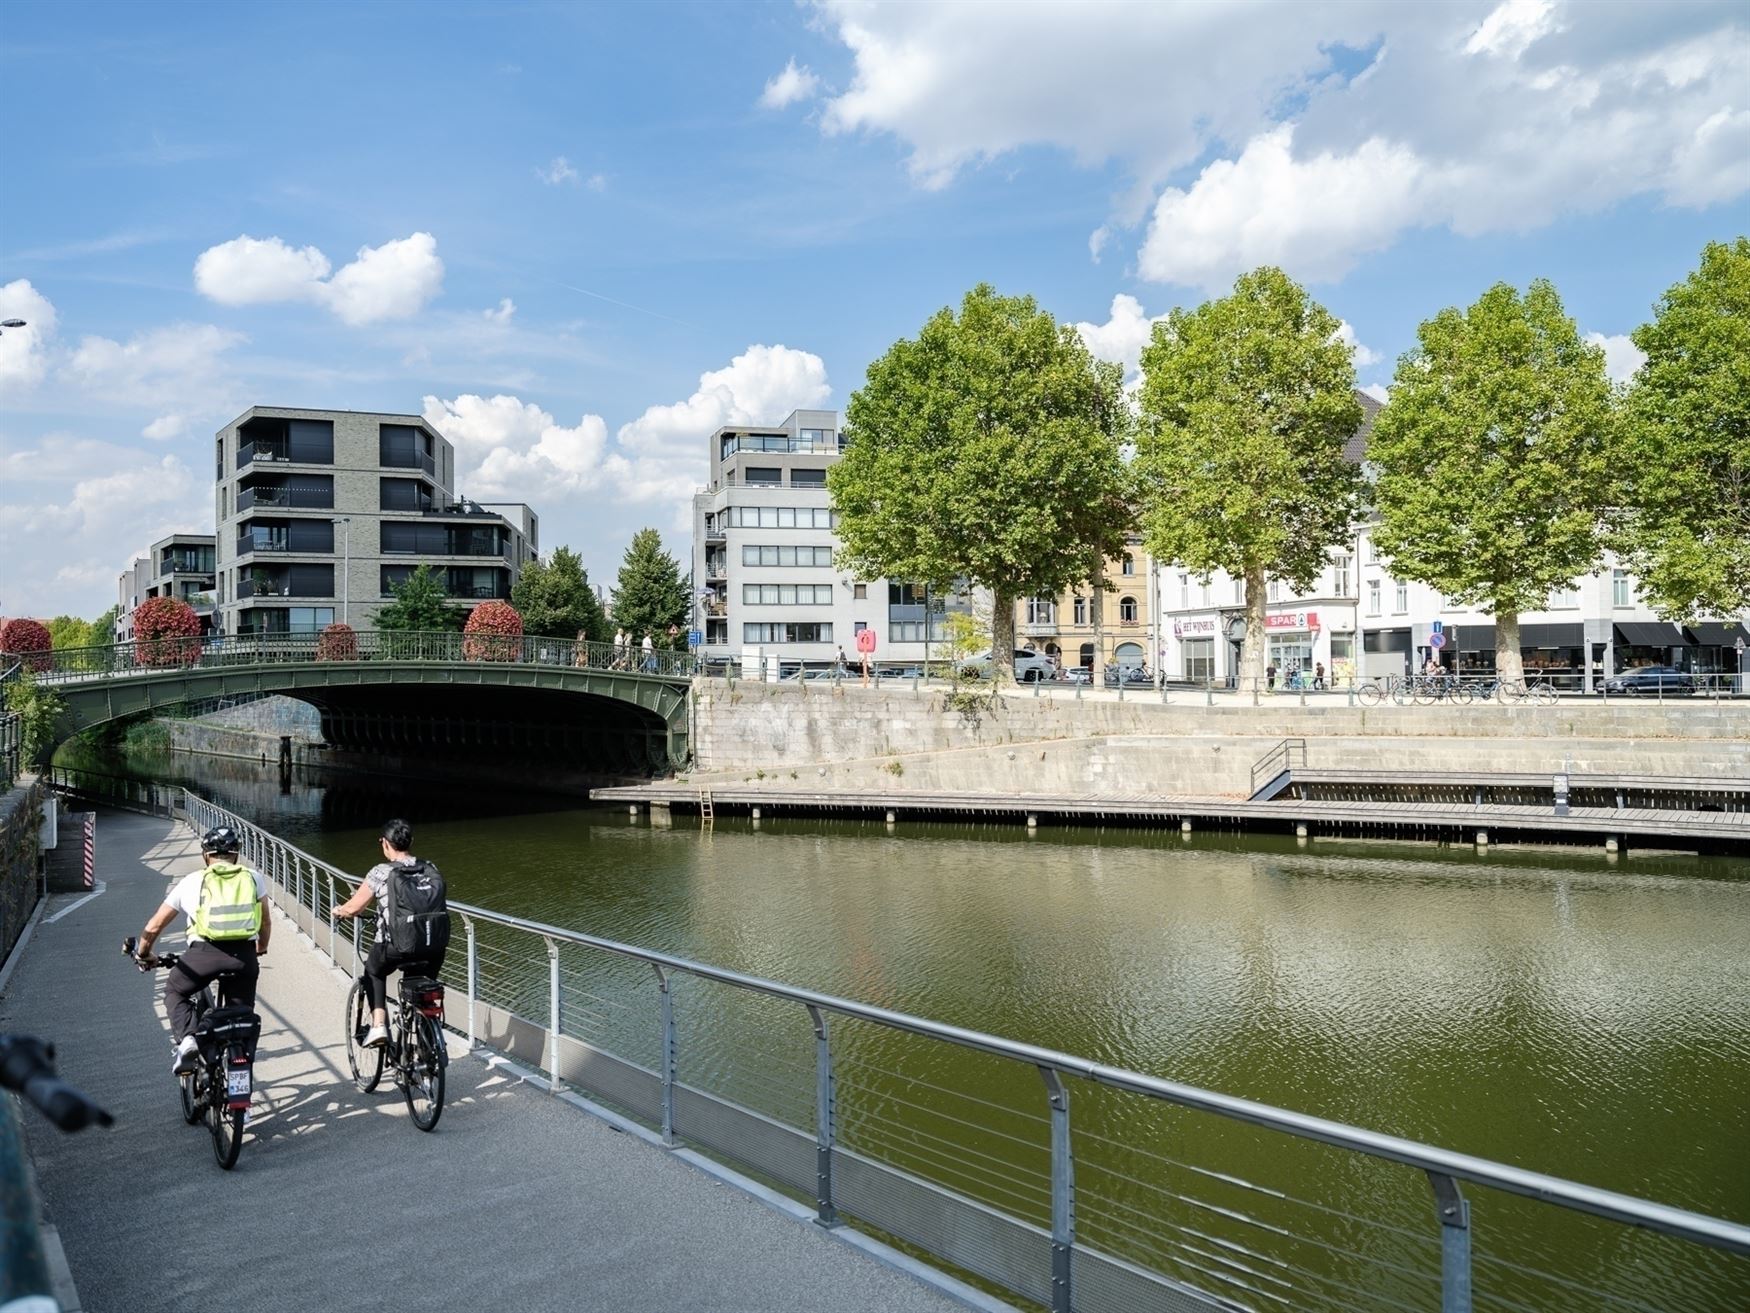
column 220, row 1087
column 1515, row 691
column 415, row 1052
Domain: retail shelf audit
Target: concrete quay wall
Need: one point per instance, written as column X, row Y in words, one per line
column 853, row 737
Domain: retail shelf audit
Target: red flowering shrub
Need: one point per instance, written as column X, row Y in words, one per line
column 28, row 639
column 167, row 632
column 337, row 642
column 494, row 632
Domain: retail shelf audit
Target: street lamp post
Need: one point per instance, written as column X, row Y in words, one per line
column 345, row 523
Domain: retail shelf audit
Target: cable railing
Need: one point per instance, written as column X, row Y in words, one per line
column 1155, row 1194
column 217, row 651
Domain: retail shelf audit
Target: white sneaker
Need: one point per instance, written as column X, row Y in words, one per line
column 376, row 1037
column 188, row 1057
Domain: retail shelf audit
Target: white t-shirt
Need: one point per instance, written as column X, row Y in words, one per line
column 185, row 896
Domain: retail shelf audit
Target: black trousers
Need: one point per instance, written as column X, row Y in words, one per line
column 382, row 959
column 201, row 963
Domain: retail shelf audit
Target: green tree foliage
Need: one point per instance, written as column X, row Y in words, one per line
column 1247, row 402
column 420, row 605
column 649, row 595
column 103, row 628
column 67, row 631
column 985, row 450
column 556, row 600
column 1686, row 444
column 1493, row 458
column 40, row 710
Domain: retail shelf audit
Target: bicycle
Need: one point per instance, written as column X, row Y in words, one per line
column 416, row 1049
column 1517, row 691
column 220, row 1088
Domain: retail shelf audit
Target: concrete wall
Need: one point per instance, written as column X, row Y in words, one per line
column 850, row 737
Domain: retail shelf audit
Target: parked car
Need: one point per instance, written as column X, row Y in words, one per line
column 1030, row 666
column 1130, row 676
column 1651, row 681
column 1076, row 675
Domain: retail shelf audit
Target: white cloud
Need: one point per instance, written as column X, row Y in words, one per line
column 1362, row 355
column 596, row 182
column 1621, row 356
column 391, row 281
column 249, row 271
column 180, row 366
column 558, row 171
column 1124, row 334
column 502, row 315
column 165, row 427
column 24, row 352
column 1378, row 391
column 1714, row 164
column 1097, row 242
column 513, row 448
column 789, row 86
column 1511, row 27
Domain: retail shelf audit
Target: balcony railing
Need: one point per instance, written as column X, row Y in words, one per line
column 306, row 499
column 418, row 461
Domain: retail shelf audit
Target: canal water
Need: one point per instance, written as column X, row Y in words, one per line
column 1552, row 1009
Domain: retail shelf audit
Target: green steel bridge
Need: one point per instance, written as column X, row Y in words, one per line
column 584, row 704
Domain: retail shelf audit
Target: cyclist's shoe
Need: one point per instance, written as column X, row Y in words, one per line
column 376, row 1037
column 187, row 1059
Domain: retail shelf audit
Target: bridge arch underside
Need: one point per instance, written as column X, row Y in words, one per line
column 526, row 727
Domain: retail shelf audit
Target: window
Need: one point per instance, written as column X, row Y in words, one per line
column 403, row 495
column 1129, row 566
column 1198, row 656
column 808, row 478
column 1204, row 589
column 859, row 592
column 1373, row 597
column 1622, row 591
column 1081, row 610
column 1086, row 656
column 1341, row 570
column 1127, row 610
column 1400, row 601
column 774, row 554
column 1041, row 611
column 405, row 447
column 1564, row 599
column 1184, row 591
column 436, row 539
column 783, row 517
column 786, row 633
column 763, row 475
column 1239, row 591
column 786, row 594
column 307, row 619
column 1274, row 590
column 1372, row 553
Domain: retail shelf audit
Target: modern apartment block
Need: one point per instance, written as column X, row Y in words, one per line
column 763, row 544
column 321, row 512
column 180, row 565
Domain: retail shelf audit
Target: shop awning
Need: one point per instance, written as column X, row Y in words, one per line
column 1552, row 636
column 1649, row 633
column 1718, row 633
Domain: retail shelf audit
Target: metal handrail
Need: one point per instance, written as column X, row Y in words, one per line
column 1698, row 1228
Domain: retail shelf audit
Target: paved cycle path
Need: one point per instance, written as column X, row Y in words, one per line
column 516, row 1201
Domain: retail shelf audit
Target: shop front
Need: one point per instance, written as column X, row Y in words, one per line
column 1196, row 640
column 1650, row 643
column 1293, row 647
column 1721, row 647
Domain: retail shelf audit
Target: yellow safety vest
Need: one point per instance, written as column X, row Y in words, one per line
column 229, row 908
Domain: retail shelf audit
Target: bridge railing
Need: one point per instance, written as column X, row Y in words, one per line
column 1155, row 1195
column 218, row 651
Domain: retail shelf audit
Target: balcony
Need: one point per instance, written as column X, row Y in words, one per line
column 1039, row 628
column 304, row 499
column 410, row 461
column 716, row 606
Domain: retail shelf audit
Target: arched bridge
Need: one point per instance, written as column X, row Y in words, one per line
column 400, row 692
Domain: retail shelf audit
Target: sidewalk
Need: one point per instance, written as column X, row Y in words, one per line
column 517, row 1200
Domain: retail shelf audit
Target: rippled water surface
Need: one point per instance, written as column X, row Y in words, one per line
column 1549, row 1009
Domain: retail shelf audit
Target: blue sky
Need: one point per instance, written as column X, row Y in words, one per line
column 580, row 237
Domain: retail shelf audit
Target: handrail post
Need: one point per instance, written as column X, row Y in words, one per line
column 1454, row 1213
column 1063, row 1192
column 825, row 1120
column 473, row 976
column 553, row 1015
column 669, row 1063
column 328, row 881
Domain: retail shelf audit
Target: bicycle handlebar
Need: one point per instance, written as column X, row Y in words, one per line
column 159, row 960
column 27, row 1065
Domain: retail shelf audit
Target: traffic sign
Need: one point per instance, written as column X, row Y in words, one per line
column 695, row 638
column 1439, row 626
column 1436, row 640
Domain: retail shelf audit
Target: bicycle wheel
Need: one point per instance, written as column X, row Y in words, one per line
column 191, row 1099
column 226, row 1123
column 366, row 1063
column 1544, row 695
column 1426, row 694
column 1462, row 694
column 425, row 1063
column 1369, row 695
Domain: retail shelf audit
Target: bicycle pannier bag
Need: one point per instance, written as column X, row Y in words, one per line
column 228, row 908
column 418, row 912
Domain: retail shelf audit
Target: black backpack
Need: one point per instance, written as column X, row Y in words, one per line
column 417, row 911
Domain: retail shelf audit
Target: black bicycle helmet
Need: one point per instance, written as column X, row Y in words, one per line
column 220, row 839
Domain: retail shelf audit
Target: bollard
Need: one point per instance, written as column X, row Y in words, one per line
column 1185, row 826
column 1032, row 821
column 1612, row 845
column 1482, row 838
column 632, row 810
column 1300, row 830
column 756, row 813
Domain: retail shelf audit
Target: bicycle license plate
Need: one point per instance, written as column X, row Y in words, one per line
column 237, row 1082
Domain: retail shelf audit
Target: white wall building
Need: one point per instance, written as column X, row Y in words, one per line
column 763, row 546
column 1360, row 621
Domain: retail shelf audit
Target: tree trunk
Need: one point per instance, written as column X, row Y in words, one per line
column 1097, row 601
column 1508, row 665
column 1257, row 643
column 1002, row 639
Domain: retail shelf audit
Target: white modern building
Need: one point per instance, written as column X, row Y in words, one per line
column 181, row 566
column 766, row 585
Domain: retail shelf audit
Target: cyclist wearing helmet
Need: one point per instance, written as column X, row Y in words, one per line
column 228, row 929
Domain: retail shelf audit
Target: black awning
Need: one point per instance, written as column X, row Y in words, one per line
column 1649, row 633
column 1718, row 633
column 1471, row 638
column 1552, row 636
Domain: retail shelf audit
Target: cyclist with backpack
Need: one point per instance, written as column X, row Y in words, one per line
column 413, row 922
column 228, row 930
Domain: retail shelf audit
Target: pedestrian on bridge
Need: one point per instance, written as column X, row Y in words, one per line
column 649, row 653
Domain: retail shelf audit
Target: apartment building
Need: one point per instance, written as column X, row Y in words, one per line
column 180, row 565
column 1064, row 626
column 763, row 546
column 321, row 513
